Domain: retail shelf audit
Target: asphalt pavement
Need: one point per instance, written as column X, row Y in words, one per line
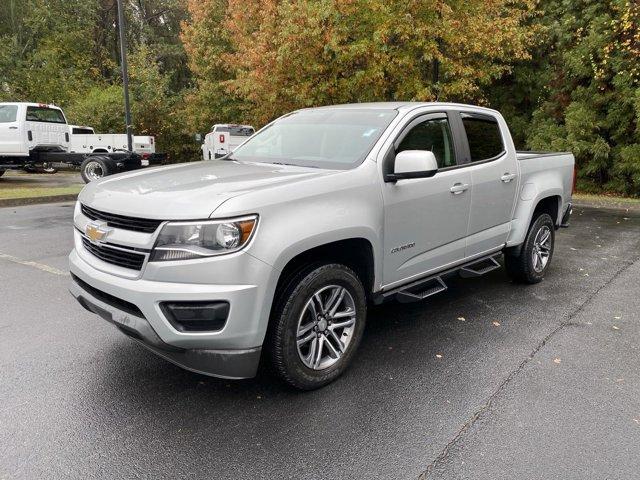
column 488, row 380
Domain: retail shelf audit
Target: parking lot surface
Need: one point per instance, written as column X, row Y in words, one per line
column 489, row 380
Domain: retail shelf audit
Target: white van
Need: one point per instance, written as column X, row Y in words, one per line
column 223, row 139
column 85, row 140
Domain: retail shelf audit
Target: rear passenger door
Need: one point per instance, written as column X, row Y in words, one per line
column 492, row 164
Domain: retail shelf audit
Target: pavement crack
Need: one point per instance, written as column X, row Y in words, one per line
column 502, row 386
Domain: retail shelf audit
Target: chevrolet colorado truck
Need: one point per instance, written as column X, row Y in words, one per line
column 273, row 252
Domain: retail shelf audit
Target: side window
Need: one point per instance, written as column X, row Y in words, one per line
column 433, row 135
column 483, row 135
column 8, row 113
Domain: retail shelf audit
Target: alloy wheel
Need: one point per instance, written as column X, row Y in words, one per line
column 325, row 327
column 541, row 249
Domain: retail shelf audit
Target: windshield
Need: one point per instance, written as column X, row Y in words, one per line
column 333, row 138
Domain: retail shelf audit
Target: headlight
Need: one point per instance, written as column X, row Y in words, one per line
column 188, row 240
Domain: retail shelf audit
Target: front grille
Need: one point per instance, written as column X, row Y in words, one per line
column 108, row 298
column 121, row 258
column 145, row 225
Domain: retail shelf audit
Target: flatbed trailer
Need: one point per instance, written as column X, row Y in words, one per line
column 93, row 166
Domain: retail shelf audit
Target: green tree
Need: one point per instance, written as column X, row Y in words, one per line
column 589, row 91
column 297, row 53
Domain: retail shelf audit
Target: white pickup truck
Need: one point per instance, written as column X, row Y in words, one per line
column 28, row 131
column 274, row 251
column 223, row 139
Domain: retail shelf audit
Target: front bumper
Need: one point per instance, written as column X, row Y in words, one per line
column 133, row 306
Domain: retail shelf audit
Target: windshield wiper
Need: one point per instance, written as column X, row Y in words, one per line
column 294, row 165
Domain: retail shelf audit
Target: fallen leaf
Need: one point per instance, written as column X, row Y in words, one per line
column 586, row 275
column 582, row 269
column 438, row 355
column 574, row 249
column 616, row 328
column 462, row 319
column 617, row 318
column 556, row 360
column 495, row 324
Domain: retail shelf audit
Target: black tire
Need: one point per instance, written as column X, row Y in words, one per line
column 95, row 167
column 522, row 267
column 2, row 172
column 281, row 343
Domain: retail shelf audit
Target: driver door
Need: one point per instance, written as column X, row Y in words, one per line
column 426, row 219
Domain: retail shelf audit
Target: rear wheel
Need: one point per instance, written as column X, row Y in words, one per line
column 95, row 168
column 316, row 326
column 533, row 259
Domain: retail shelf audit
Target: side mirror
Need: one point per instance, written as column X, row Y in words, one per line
column 413, row 164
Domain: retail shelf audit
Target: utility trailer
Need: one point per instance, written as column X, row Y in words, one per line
column 36, row 137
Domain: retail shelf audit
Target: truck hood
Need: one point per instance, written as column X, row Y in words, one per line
column 188, row 191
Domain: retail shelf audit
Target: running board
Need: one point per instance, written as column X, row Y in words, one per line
column 421, row 290
column 426, row 287
column 479, row 268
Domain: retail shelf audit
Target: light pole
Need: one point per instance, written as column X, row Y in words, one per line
column 125, row 74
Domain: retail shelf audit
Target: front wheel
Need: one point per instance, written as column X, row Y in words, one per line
column 317, row 324
column 533, row 259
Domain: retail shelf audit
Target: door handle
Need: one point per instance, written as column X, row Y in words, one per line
column 13, row 128
column 507, row 177
column 458, row 188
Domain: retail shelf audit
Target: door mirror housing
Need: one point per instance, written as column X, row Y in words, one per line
column 413, row 164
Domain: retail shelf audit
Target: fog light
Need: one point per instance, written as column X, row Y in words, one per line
column 196, row 316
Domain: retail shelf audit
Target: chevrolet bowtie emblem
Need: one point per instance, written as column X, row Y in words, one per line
column 97, row 231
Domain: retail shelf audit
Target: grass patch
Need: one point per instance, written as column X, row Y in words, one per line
column 38, row 192
column 606, row 199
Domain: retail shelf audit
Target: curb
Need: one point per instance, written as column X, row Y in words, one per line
column 16, row 202
column 614, row 206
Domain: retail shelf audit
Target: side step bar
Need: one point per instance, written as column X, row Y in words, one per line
column 422, row 290
column 429, row 286
column 479, row 268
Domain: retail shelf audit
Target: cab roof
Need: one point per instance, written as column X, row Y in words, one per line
column 403, row 106
column 32, row 104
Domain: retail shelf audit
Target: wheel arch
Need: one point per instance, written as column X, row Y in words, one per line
column 549, row 201
column 356, row 253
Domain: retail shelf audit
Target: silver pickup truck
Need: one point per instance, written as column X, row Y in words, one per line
column 273, row 252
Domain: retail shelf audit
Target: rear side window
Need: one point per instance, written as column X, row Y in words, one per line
column 8, row 113
column 483, row 135
column 45, row 114
column 82, row 131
